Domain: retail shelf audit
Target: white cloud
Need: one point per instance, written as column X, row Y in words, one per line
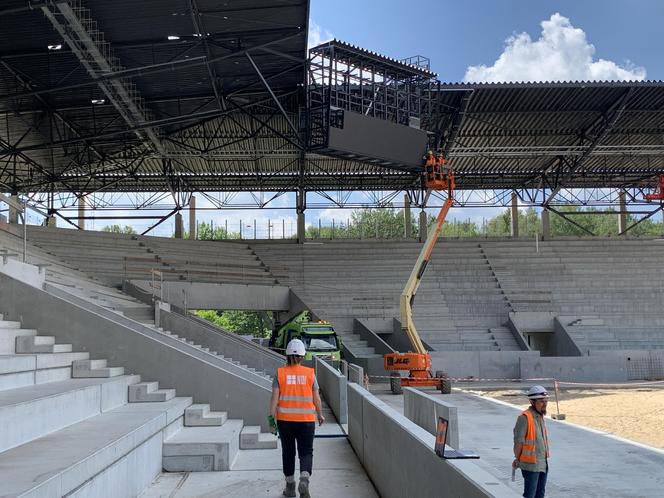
column 562, row 53
column 318, row 34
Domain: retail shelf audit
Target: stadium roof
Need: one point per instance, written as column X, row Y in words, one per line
column 204, row 95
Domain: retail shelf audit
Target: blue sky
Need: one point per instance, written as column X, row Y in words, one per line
column 456, row 34
column 502, row 40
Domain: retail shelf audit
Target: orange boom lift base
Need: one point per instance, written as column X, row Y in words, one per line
column 418, row 363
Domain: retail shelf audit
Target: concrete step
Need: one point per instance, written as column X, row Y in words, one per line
column 203, row 449
column 199, row 415
column 90, row 455
column 40, row 344
column 8, row 338
column 94, row 369
column 8, row 324
column 251, row 438
column 31, row 412
column 149, row 392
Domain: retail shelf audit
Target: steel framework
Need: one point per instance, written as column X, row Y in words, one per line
column 163, row 99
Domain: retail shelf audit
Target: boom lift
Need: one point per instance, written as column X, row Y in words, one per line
column 418, row 362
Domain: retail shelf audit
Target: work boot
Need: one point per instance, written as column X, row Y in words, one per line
column 289, row 490
column 303, row 487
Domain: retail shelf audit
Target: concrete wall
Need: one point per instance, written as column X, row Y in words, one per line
column 373, row 340
column 226, row 343
column 618, row 366
column 424, row 410
column 210, row 296
column 399, row 458
column 333, row 385
column 355, row 374
column 140, row 350
column 562, row 343
column 481, row 364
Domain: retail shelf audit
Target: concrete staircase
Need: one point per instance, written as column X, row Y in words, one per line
column 74, row 424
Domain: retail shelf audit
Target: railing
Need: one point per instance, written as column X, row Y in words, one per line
column 22, row 207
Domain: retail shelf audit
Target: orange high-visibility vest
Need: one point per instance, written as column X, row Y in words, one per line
column 529, row 448
column 296, row 400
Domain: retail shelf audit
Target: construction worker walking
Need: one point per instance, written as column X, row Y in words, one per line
column 296, row 406
column 531, row 444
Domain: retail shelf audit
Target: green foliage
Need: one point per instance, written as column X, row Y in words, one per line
column 207, row 231
column 240, row 322
column 364, row 224
column 119, row 229
column 389, row 224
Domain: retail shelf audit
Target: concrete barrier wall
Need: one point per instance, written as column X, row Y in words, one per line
column 333, row 385
column 618, row 366
column 424, row 410
column 481, row 364
column 355, row 374
column 140, row 350
column 399, row 458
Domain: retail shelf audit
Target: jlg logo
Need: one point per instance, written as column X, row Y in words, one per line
column 402, row 361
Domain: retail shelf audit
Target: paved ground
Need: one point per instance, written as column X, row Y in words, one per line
column 257, row 473
column 584, row 463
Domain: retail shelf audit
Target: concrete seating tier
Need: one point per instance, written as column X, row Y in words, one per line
column 343, row 280
column 615, row 280
column 112, row 258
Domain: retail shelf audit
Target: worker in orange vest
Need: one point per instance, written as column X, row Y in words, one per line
column 531, row 444
column 296, row 406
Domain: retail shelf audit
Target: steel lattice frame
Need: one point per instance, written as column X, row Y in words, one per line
column 221, row 108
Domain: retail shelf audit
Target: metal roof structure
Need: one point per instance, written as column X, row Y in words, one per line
column 189, row 96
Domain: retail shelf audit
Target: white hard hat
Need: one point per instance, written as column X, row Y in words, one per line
column 295, row 347
column 537, row 392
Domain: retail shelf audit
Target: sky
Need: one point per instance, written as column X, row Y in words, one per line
column 460, row 35
column 473, row 40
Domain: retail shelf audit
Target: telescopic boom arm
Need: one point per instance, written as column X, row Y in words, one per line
column 408, row 294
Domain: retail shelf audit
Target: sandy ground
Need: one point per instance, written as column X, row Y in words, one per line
column 635, row 414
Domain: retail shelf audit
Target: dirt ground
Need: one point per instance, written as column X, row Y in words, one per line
column 636, row 414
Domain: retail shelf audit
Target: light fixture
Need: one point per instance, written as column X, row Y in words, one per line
column 173, row 37
column 98, row 101
column 55, row 47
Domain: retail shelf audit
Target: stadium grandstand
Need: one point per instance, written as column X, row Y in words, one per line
column 110, row 387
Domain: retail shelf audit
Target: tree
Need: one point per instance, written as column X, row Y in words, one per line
column 237, row 321
column 365, row 224
column 207, row 231
column 119, row 229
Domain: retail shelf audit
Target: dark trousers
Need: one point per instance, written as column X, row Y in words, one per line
column 534, row 484
column 303, row 434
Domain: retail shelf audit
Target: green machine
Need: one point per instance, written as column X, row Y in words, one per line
column 319, row 337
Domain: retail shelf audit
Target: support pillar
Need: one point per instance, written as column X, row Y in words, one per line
column 301, row 206
column 423, row 226
column 178, row 226
column 51, row 222
column 192, row 218
column 81, row 213
column 13, row 212
column 514, row 211
column 546, row 224
column 622, row 215
column 407, row 222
